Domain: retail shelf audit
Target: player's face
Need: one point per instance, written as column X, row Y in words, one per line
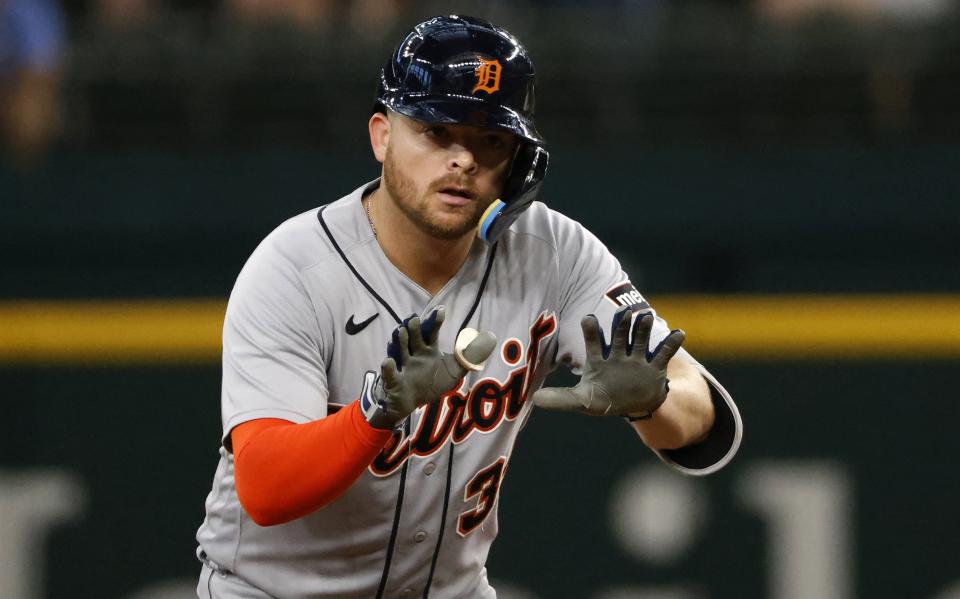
column 443, row 177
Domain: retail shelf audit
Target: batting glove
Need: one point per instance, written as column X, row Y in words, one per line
column 620, row 379
column 416, row 372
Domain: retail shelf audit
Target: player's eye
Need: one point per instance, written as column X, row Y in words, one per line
column 494, row 141
column 438, row 131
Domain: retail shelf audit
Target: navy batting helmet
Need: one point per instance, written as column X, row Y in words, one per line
column 459, row 69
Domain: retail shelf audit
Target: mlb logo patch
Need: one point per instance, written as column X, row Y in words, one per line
column 625, row 294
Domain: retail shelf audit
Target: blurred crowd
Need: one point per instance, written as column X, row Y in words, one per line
column 309, row 14
column 786, row 10
column 373, row 15
column 35, row 34
column 32, row 39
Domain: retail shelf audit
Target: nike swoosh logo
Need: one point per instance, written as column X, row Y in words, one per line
column 355, row 327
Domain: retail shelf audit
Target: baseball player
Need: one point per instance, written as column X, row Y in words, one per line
column 382, row 353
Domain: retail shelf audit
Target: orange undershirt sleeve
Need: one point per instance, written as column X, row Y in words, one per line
column 284, row 471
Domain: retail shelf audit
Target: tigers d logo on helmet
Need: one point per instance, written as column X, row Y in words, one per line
column 488, row 76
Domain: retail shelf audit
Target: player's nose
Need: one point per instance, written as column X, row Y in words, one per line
column 461, row 158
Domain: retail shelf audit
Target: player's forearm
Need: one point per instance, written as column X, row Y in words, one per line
column 687, row 415
column 286, row 471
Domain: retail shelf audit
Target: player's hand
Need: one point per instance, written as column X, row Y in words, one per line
column 621, row 379
column 416, row 372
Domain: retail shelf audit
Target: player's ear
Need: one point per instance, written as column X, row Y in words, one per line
column 379, row 126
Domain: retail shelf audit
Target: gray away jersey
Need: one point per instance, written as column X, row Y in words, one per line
column 423, row 515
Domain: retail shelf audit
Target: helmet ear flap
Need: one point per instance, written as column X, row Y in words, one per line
column 519, row 191
column 529, row 161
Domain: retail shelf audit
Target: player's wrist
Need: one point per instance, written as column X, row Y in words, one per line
column 648, row 413
column 373, row 404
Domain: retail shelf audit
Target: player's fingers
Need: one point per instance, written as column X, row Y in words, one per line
column 634, row 328
column 393, row 346
column 469, row 353
column 430, row 326
column 389, row 373
column 620, row 331
column 668, row 348
column 557, row 398
column 416, row 336
column 641, row 333
column 592, row 337
column 479, row 349
column 403, row 341
column 451, row 372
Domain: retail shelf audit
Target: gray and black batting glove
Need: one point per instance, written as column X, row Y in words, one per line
column 620, row 379
column 416, row 372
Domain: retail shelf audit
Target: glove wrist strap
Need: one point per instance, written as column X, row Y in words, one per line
column 373, row 403
column 649, row 413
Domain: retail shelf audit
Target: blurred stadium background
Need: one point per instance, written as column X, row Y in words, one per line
column 781, row 178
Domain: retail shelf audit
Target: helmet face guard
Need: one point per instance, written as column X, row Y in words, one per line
column 462, row 70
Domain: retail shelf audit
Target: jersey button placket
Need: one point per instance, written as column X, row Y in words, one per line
column 406, row 593
column 420, row 536
column 429, row 468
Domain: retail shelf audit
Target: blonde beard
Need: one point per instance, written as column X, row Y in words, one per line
column 405, row 196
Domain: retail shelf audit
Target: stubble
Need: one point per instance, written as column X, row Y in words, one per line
column 415, row 204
